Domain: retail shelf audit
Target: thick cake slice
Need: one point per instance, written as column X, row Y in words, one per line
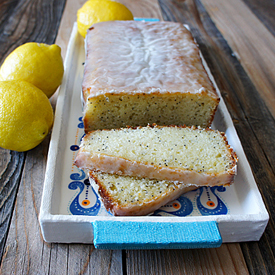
column 140, row 73
column 130, row 196
column 181, row 154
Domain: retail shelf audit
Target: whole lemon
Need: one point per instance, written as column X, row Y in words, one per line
column 94, row 11
column 26, row 115
column 38, row 64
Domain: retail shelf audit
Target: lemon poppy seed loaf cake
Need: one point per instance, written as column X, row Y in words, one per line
column 131, row 196
column 188, row 155
column 140, row 73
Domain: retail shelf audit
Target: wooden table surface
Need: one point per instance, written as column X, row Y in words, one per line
column 237, row 39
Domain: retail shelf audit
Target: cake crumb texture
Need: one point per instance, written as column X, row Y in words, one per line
column 125, row 195
column 186, row 154
column 189, row 148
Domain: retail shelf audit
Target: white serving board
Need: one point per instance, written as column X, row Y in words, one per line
column 70, row 206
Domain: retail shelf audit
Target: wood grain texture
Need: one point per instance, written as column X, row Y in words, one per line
column 252, row 119
column 194, row 261
column 264, row 10
column 251, row 42
column 11, row 165
column 144, row 8
column 24, row 21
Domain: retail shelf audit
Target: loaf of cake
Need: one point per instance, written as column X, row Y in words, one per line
column 131, row 196
column 140, row 73
column 187, row 155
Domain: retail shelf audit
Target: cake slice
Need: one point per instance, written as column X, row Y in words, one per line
column 140, row 73
column 131, row 196
column 188, row 155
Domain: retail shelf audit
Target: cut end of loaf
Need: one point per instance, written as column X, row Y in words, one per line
column 185, row 154
column 191, row 148
column 112, row 111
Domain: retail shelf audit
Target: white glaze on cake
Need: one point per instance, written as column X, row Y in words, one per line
column 142, row 57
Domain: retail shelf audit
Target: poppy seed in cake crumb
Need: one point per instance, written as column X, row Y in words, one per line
column 198, row 157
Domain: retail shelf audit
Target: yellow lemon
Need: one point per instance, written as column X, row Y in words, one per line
column 94, row 11
column 39, row 64
column 26, row 115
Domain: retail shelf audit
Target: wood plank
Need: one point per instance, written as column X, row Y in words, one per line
column 251, row 117
column 15, row 30
column 11, row 165
column 251, row 42
column 144, row 8
column 24, row 235
column 28, row 21
column 195, row 261
column 264, row 10
column 259, row 255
